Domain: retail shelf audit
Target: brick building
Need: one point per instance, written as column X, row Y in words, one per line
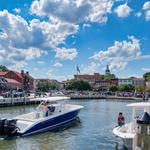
column 16, row 80
column 105, row 83
column 90, row 78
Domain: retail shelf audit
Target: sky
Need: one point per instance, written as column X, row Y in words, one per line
column 50, row 38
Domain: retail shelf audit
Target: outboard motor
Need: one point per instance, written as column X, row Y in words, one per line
column 8, row 127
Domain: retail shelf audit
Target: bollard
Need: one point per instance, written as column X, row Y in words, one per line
column 143, row 133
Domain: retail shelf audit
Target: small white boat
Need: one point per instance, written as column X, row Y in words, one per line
column 127, row 132
column 57, row 115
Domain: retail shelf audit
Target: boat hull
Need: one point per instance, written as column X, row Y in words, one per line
column 127, row 143
column 51, row 123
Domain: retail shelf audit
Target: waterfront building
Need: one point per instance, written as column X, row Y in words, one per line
column 107, row 72
column 138, row 81
column 12, row 84
column 125, row 81
column 105, row 83
column 90, row 78
column 147, row 83
column 18, row 80
column 3, row 83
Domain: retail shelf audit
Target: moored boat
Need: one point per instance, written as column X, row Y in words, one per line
column 40, row 120
column 128, row 131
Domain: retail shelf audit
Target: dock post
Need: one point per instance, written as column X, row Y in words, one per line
column 12, row 99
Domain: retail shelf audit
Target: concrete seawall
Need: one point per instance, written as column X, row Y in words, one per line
column 4, row 102
column 107, row 97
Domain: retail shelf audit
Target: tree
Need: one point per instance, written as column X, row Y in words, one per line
column 126, row 88
column 148, row 89
column 113, row 88
column 46, row 85
column 79, row 85
column 140, row 88
column 147, row 76
column 3, row 68
column 43, row 86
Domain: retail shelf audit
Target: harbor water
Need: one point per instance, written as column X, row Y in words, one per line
column 93, row 132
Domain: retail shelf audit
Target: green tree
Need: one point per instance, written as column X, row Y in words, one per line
column 148, row 89
column 3, row 68
column 53, row 86
column 79, row 85
column 43, row 85
column 126, row 88
column 147, row 76
column 140, row 88
column 113, row 88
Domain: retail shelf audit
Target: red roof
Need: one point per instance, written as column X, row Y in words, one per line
column 3, row 73
column 18, row 74
column 12, row 81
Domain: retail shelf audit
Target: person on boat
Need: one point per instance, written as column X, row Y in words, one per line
column 44, row 107
column 121, row 119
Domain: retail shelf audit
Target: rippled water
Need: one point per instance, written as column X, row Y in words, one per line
column 93, row 133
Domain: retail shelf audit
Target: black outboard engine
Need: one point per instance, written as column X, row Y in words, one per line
column 8, row 127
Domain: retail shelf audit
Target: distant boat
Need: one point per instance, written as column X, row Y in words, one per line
column 127, row 132
column 57, row 115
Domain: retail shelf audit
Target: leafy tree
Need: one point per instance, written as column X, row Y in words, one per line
column 148, row 89
column 126, row 88
column 140, row 88
column 79, row 85
column 43, row 86
column 113, row 88
column 147, row 76
column 3, row 68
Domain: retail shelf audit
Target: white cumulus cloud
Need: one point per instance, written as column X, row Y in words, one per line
column 17, row 10
column 57, row 65
column 66, row 54
column 123, row 10
column 146, row 8
column 120, row 53
column 21, row 40
column 73, row 11
column 147, row 15
column 90, row 68
column 146, row 5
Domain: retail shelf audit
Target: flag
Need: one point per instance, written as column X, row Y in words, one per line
column 78, row 70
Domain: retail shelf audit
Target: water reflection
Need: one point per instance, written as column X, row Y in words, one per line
column 93, row 133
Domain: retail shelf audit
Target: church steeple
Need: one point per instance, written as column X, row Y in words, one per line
column 107, row 72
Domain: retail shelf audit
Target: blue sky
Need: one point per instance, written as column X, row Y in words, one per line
column 50, row 38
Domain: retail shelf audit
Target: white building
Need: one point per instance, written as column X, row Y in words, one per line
column 125, row 82
column 138, row 81
column 147, row 83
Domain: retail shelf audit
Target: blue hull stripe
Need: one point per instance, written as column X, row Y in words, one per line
column 52, row 123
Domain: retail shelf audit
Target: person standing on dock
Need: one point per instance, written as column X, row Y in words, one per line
column 121, row 119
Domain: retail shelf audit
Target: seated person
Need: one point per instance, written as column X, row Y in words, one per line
column 121, row 119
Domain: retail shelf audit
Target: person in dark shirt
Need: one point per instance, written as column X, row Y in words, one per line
column 121, row 119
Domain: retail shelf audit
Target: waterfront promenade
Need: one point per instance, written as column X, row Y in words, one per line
column 4, row 102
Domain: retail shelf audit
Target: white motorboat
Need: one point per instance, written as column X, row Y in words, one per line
column 40, row 120
column 127, row 132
